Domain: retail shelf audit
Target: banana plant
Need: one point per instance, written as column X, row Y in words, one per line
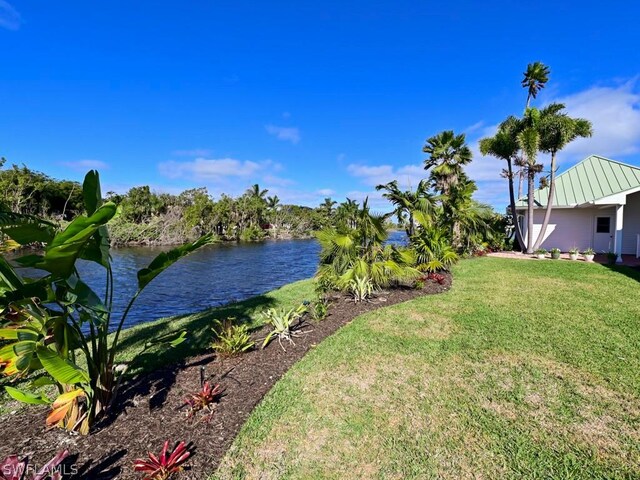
column 43, row 320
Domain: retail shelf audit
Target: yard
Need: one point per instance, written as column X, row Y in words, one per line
column 525, row 369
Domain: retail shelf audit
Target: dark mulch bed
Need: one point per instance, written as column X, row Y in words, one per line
column 149, row 411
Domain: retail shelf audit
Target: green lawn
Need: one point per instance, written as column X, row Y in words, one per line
column 525, row 369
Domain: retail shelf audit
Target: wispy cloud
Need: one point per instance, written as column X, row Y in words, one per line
column 9, row 16
column 289, row 134
column 325, row 192
column 86, row 164
column 196, row 152
column 407, row 175
column 210, row 170
column 615, row 115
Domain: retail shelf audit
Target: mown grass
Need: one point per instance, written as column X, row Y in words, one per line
column 199, row 335
column 525, row 369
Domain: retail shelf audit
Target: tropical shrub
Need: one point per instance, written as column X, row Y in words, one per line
column 231, row 339
column 433, row 250
column 589, row 251
column 285, row 324
column 318, row 309
column 44, row 320
column 361, row 289
column 165, row 465
column 357, row 249
column 11, row 468
column 612, row 258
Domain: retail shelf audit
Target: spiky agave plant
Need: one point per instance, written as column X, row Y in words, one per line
column 164, row 465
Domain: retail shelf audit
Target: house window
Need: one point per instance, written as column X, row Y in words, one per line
column 603, row 225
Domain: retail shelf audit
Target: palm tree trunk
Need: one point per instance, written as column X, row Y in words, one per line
column 547, row 212
column 530, row 200
column 512, row 204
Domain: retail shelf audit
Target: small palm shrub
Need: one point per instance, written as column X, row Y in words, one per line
column 361, row 289
column 231, row 339
column 284, row 323
column 319, row 309
column 433, row 250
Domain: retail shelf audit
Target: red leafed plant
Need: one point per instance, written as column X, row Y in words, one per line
column 162, row 467
column 13, row 469
column 436, row 277
column 205, row 398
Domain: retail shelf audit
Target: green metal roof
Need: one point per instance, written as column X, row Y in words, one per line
column 593, row 178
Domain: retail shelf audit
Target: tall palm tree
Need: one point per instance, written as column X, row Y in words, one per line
column 528, row 138
column 504, row 145
column 448, row 153
column 326, row 207
column 255, row 192
column 535, row 78
column 408, row 202
column 347, row 212
column 557, row 130
column 273, row 202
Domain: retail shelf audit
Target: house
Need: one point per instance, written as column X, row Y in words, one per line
column 596, row 205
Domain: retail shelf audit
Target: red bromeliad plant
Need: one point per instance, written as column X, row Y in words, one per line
column 11, row 468
column 204, row 399
column 162, row 467
column 436, row 277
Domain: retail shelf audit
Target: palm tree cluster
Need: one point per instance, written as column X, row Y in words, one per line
column 440, row 217
column 519, row 141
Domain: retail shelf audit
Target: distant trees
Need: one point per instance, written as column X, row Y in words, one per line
column 147, row 217
column 26, row 191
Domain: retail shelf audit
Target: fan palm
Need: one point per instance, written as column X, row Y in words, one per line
column 448, row 153
column 433, row 250
column 351, row 253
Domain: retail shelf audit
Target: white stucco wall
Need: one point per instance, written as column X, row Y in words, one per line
column 631, row 223
column 568, row 227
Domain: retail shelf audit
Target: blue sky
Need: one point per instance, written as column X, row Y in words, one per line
column 308, row 99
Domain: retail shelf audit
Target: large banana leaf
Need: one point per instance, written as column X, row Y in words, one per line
column 25, row 229
column 27, row 397
column 166, row 259
column 61, row 370
column 61, row 254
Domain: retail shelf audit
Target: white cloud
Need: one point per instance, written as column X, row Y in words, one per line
column 289, row 134
column 277, row 181
column 196, row 152
column 408, row 176
column 325, row 192
column 87, row 164
column 615, row 115
column 9, row 16
column 215, row 170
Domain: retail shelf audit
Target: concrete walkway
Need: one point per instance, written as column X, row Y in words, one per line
column 629, row 260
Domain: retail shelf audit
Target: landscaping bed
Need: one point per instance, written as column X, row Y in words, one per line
column 149, row 410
